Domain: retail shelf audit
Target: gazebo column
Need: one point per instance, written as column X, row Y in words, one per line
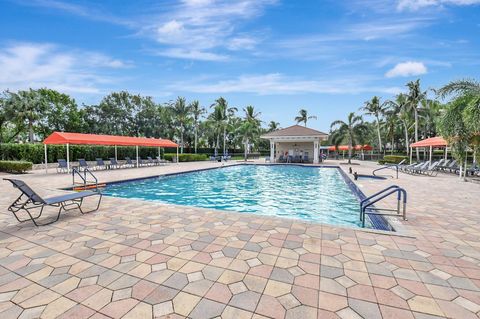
column 68, row 158
column 315, row 152
column 178, row 159
column 411, row 155
column 272, row 151
column 136, row 147
column 46, row 159
column 116, row 159
column 431, row 153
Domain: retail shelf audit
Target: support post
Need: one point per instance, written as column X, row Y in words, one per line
column 116, row 159
column 315, row 152
column 446, row 152
column 178, row 159
column 431, row 153
column 411, row 155
column 46, row 159
column 159, row 152
column 136, row 148
column 272, row 151
column 68, row 158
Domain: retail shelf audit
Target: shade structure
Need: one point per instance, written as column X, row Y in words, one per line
column 98, row 139
column 437, row 141
column 365, row 147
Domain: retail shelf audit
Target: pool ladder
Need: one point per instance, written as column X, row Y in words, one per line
column 394, row 166
column 368, row 202
column 85, row 183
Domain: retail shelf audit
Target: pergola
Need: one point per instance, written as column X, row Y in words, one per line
column 437, row 142
column 68, row 139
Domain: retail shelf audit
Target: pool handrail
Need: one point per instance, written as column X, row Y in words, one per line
column 369, row 201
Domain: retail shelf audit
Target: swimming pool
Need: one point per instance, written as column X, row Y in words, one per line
column 315, row 194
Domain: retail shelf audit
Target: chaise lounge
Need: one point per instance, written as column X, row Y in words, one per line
column 29, row 200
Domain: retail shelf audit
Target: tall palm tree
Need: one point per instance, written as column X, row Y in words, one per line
column 250, row 127
column 224, row 115
column 273, row 126
column 197, row 112
column 414, row 98
column 400, row 107
column 182, row 116
column 376, row 109
column 352, row 131
column 304, row 117
column 390, row 126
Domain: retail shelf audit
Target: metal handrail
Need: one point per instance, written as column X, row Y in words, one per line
column 369, row 201
column 77, row 172
column 385, row 167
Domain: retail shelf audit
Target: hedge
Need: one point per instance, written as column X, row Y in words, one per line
column 186, row 157
column 15, row 166
column 393, row 159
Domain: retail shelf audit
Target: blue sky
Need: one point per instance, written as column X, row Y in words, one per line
column 326, row 56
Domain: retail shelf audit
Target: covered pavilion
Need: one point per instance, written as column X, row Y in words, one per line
column 430, row 143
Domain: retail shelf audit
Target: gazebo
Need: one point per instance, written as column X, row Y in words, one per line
column 344, row 148
column 68, row 139
column 430, row 143
column 295, row 140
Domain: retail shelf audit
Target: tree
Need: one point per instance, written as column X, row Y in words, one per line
column 249, row 129
column 400, row 107
column 197, row 112
column 303, row 117
column 390, row 125
column 352, row 130
column 376, row 109
column 273, row 126
column 29, row 107
column 414, row 97
column 182, row 116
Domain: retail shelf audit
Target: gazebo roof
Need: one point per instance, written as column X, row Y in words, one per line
column 295, row 130
column 437, row 141
column 96, row 139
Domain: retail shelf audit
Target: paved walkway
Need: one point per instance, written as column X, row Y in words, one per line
column 136, row 259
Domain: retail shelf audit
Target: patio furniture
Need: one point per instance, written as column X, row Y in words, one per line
column 113, row 163
column 100, row 164
column 305, row 159
column 161, row 161
column 281, row 159
column 129, row 162
column 62, row 166
column 151, row 161
column 29, row 200
column 82, row 164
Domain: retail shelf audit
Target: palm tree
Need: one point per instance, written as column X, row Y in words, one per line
column 197, row 112
column 303, row 117
column 250, row 127
column 414, row 97
column 273, row 126
column 400, row 107
column 352, row 131
column 390, row 125
column 224, row 114
column 182, row 115
column 376, row 109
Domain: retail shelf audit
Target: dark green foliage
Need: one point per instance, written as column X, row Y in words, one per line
column 186, row 157
column 392, row 159
column 15, row 166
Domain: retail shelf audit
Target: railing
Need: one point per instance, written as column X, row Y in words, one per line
column 386, row 167
column 85, row 182
column 369, row 201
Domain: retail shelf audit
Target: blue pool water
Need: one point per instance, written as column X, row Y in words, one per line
column 307, row 193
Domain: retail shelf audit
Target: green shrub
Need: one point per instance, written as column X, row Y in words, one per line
column 392, row 159
column 15, row 166
column 186, row 157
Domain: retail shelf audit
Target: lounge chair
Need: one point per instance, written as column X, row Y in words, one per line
column 129, row 162
column 30, row 200
column 305, row 159
column 82, row 164
column 62, row 166
column 281, row 159
column 100, row 164
column 430, row 170
column 161, row 161
column 113, row 163
column 151, row 161
column 142, row 163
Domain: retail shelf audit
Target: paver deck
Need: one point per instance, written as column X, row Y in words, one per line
column 137, row 259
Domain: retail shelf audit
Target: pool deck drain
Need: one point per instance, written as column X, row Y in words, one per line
column 136, row 259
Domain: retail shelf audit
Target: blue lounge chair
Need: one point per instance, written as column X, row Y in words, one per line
column 113, row 163
column 305, row 159
column 82, row 164
column 281, row 159
column 100, row 164
column 62, row 166
column 29, row 200
column 129, row 162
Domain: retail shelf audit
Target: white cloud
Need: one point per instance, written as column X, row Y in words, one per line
column 409, row 68
column 276, row 83
column 30, row 65
column 419, row 4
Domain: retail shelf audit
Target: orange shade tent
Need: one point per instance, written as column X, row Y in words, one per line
column 365, row 147
column 437, row 142
column 98, row 139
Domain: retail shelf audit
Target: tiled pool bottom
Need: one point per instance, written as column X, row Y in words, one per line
column 315, row 194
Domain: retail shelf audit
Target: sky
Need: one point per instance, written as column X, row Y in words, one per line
column 328, row 56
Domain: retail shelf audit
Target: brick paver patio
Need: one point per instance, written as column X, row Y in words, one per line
column 136, row 259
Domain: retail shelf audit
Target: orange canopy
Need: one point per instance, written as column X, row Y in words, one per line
column 365, row 147
column 94, row 139
column 437, row 141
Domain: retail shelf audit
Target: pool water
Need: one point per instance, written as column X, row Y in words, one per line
column 309, row 193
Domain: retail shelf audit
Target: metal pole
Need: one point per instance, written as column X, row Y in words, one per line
column 178, row 160
column 68, row 158
column 136, row 147
column 159, row 152
column 431, row 151
column 411, row 155
column 446, row 152
column 46, row 159
column 116, row 159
